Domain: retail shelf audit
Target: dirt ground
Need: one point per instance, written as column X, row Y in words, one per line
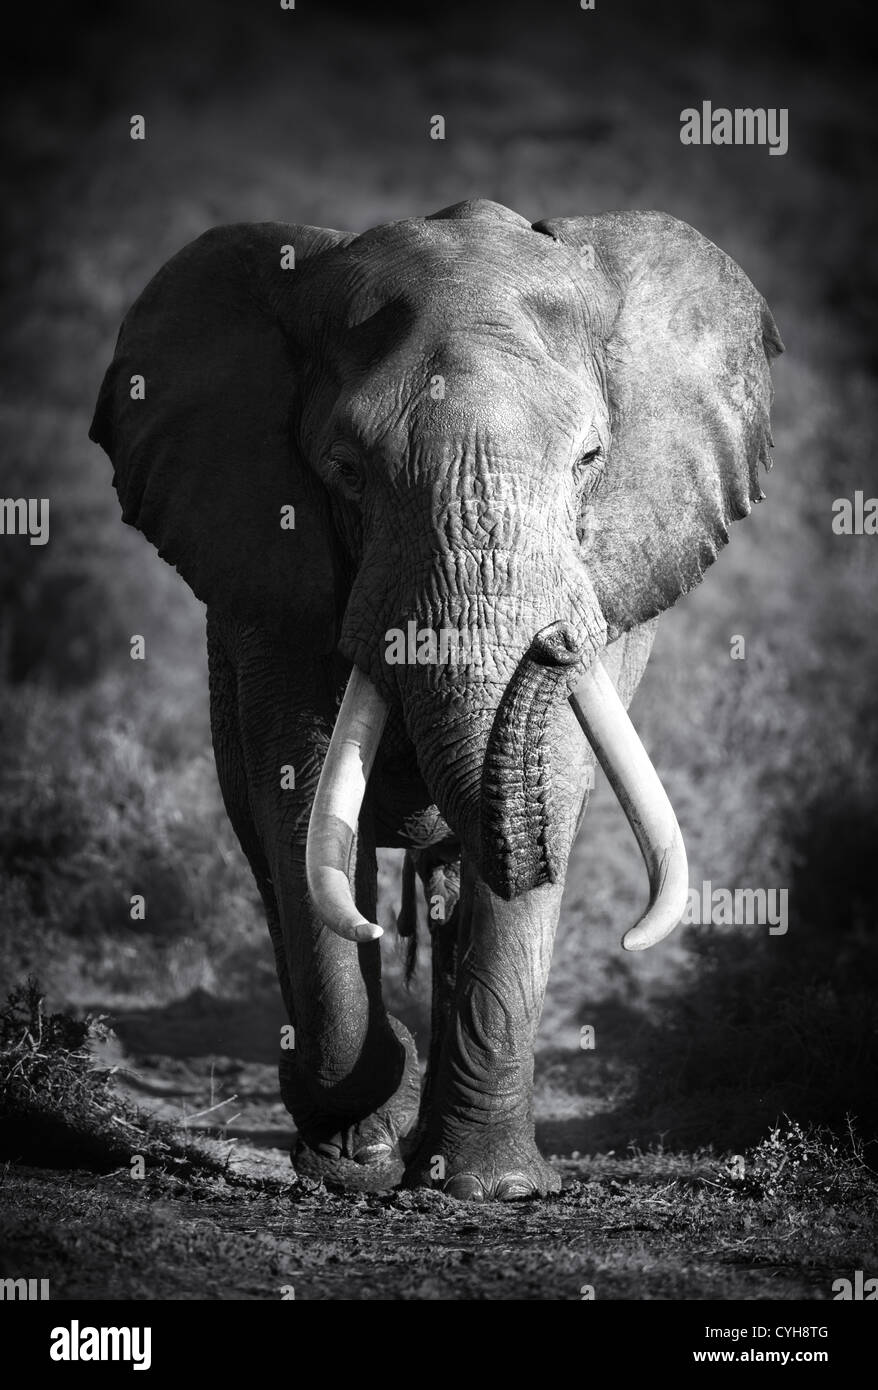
column 643, row 1226
column 271, row 1240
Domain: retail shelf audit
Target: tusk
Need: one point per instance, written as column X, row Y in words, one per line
column 625, row 761
column 332, row 828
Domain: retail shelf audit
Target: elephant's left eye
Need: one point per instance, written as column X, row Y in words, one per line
column 589, row 467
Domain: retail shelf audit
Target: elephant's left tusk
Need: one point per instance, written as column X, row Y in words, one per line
column 336, row 809
column 644, row 800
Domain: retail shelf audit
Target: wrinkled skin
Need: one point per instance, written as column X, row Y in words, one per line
column 485, row 427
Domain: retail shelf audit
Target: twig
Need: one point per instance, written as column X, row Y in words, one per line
column 198, row 1113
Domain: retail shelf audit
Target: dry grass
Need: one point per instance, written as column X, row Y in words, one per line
column 58, row 1108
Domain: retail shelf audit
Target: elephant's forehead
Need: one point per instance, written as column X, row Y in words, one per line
column 457, row 271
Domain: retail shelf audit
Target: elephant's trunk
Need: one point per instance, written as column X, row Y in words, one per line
column 518, row 826
column 518, row 822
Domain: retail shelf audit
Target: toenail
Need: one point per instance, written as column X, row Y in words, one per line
column 465, row 1187
column 513, row 1187
column 373, row 1153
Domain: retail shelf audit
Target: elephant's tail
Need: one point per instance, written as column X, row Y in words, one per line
column 407, row 917
column 438, row 867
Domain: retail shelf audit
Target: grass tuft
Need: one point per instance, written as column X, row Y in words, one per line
column 57, row 1106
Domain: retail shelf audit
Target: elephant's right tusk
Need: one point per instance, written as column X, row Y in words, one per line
column 644, row 800
column 336, row 809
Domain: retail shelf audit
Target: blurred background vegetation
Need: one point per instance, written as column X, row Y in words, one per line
column 321, row 115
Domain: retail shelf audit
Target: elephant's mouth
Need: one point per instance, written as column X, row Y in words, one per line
column 517, row 850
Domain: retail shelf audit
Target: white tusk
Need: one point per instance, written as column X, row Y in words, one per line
column 332, row 828
column 636, row 783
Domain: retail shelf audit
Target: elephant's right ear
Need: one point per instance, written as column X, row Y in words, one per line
column 195, row 412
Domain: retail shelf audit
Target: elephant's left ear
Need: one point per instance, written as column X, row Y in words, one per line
column 684, row 340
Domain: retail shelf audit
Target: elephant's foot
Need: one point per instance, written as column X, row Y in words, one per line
column 377, row 1174
column 358, row 1153
column 484, row 1164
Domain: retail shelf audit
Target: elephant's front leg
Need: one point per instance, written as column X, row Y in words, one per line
column 351, row 1081
column 479, row 1136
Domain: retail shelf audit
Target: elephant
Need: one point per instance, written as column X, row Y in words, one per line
column 435, row 484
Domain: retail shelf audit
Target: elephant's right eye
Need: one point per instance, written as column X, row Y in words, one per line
column 347, row 474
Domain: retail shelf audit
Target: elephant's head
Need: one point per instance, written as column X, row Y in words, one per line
column 505, row 445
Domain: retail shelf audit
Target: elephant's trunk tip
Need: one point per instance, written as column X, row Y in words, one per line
column 556, row 645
